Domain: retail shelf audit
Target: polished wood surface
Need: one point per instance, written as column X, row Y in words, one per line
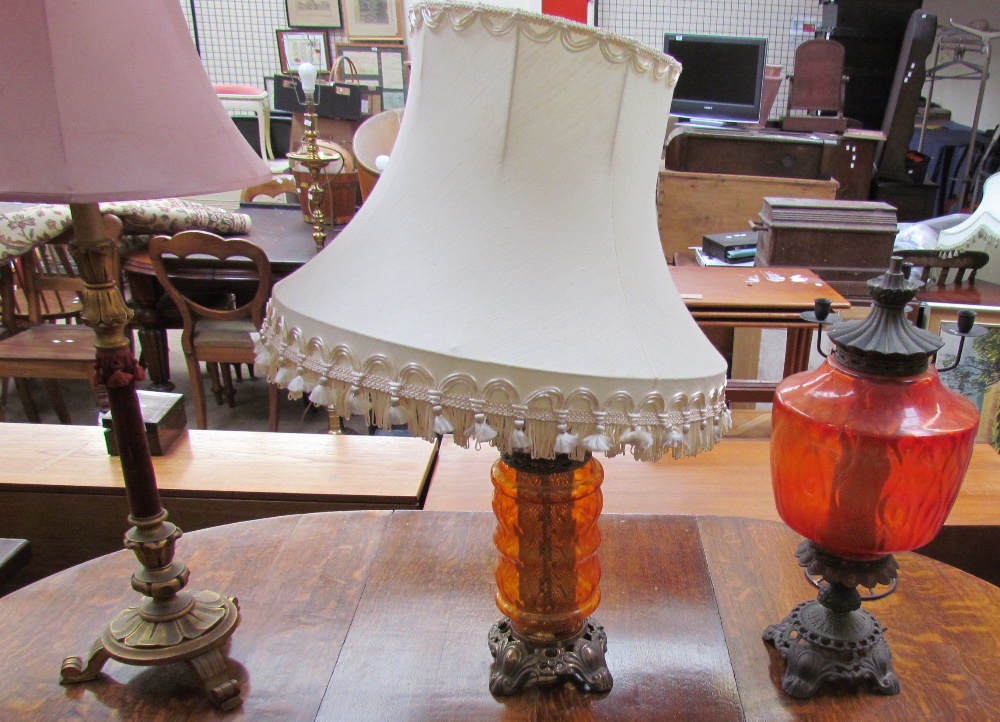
column 733, row 479
column 62, row 490
column 383, row 616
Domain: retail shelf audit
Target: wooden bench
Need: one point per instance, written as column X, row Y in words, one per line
column 65, row 494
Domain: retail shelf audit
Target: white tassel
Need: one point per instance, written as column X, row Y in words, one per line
column 481, row 431
column 441, row 424
column 296, row 386
column 357, row 402
column 675, row 438
column 598, row 443
column 639, row 438
column 262, row 355
column 322, row 395
column 397, row 414
column 519, row 440
column 284, row 375
column 565, row 442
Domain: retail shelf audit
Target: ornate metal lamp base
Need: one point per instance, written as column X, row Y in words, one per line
column 169, row 624
column 519, row 660
column 194, row 637
column 821, row 646
column 831, row 639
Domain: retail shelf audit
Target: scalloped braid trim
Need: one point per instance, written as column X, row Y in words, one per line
column 573, row 36
column 683, row 426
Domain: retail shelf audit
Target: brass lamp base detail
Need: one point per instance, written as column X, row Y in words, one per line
column 831, row 639
column 169, row 624
column 519, row 660
column 195, row 637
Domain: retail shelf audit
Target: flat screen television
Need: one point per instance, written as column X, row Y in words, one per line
column 721, row 79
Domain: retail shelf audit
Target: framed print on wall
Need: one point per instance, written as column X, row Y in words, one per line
column 383, row 66
column 301, row 46
column 373, row 19
column 313, row 13
column 978, row 374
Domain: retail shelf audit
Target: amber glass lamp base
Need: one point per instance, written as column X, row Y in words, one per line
column 547, row 574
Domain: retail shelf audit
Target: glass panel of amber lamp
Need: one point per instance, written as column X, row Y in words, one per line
column 864, row 465
column 548, row 572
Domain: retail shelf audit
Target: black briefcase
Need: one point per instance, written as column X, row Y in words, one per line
column 334, row 98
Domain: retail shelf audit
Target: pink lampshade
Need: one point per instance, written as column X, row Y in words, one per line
column 107, row 100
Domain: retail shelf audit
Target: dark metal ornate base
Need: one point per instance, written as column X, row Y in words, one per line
column 821, row 646
column 518, row 660
column 831, row 639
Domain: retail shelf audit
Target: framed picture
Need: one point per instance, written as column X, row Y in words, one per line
column 380, row 66
column 313, row 13
column 977, row 376
column 373, row 19
column 303, row 46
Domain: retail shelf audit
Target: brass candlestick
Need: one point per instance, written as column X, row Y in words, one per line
column 315, row 162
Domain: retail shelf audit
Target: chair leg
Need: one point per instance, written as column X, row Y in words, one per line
column 28, row 403
column 227, row 385
column 213, row 372
column 238, row 370
column 56, row 399
column 272, row 407
column 198, row 391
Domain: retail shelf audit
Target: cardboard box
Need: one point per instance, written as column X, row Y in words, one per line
column 164, row 418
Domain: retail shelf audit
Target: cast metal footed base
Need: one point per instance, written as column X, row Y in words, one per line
column 194, row 636
column 822, row 646
column 519, row 660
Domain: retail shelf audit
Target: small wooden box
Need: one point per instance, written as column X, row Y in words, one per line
column 845, row 242
column 164, row 417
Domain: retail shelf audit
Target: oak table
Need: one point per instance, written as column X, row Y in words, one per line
column 61, row 490
column 384, row 616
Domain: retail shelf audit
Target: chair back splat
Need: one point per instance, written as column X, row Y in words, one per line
column 215, row 335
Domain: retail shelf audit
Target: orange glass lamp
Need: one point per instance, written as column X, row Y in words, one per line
column 504, row 284
column 868, row 452
column 108, row 101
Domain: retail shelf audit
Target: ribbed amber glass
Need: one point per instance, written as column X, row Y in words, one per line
column 548, row 572
column 864, row 465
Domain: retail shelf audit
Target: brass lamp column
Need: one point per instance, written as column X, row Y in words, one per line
column 169, row 624
column 311, row 158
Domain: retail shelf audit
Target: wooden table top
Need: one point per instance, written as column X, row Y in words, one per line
column 279, row 230
column 384, row 616
column 733, row 290
column 733, row 479
column 225, row 464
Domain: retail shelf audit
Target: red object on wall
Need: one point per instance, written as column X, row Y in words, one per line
column 569, row 9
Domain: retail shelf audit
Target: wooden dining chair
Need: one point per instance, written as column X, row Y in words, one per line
column 214, row 336
column 38, row 294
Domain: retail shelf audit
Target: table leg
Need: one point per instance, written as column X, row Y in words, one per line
column 151, row 331
column 798, row 346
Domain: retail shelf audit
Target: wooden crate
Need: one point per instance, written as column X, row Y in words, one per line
column 693, row 205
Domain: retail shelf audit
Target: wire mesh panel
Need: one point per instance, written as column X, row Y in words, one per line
column 785, row 23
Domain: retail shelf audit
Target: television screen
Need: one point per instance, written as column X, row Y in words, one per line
column 721, row 78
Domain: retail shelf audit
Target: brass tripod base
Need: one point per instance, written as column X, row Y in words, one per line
column 194, row 636
column 518, row 660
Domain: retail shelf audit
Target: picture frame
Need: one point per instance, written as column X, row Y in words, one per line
column 314, row 13
column 299, row 46
column 381, row 66
column 376, row 20
column 977, row 376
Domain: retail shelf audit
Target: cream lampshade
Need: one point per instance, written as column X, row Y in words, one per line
column 507, row 263
column 504, row 283
column 106, row 100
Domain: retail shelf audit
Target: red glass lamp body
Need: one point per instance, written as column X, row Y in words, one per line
column 865, row 466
